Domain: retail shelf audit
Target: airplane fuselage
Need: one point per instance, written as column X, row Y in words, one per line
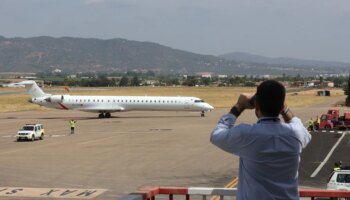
column 102, row 104
column 105, row 105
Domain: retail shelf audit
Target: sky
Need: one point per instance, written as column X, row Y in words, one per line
column 306, row 29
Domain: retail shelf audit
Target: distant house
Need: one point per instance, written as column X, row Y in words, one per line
column 266, row 76
column 309, row 84
column 72, row 76
column 313, row 83
column 222, row 76
column 329, row 83
column 205, row 74
column 317, row 83
column 151, row 82
column 56, row 71
column 297, row 84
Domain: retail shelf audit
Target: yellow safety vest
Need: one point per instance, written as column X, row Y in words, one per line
column 72, row 124
column 311, row 122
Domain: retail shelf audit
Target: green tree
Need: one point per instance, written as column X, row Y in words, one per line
column 175, row 81
column 135, row 81
column 321, row 82
column 190, row 81
column 124, row 82
column 236, row 81
column 205, row 81
column 347, row 92
column 70, row 82
column 150, row 74
column 103, row 81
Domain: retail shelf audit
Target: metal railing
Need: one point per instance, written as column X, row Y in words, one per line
column 150, row 193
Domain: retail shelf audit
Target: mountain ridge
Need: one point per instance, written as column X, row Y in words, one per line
column 73, row 54
column 254, row 58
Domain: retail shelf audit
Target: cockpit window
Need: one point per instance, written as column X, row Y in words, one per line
column 199, row 101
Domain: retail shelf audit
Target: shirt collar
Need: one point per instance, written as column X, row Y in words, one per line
column 268, row 119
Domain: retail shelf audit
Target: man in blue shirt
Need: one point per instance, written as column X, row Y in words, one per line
column 269, row 150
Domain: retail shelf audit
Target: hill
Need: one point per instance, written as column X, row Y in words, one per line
column 282, row 61
column 40, row 54
column 79, row 54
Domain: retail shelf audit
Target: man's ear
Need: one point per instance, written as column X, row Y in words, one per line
column 257, row 110
column 257, row 106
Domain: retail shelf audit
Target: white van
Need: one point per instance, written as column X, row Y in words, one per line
column 339, row 180
column 31, row 132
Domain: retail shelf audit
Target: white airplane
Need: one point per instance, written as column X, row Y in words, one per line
column 105, row 105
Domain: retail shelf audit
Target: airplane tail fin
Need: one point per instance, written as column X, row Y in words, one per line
column 33, row 89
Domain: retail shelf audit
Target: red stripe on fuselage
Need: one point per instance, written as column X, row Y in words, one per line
column 63, row 106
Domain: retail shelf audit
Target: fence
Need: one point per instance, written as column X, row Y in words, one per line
column 150, row 193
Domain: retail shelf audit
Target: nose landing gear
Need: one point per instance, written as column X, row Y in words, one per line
column 202, row 114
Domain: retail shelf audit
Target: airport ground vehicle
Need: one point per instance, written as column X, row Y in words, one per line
column 339, row 180
column 31, row 132
column 333, row 120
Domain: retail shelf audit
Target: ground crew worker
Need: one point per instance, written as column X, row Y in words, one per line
column 72, row 126
column 337, row 165
column 317, row 122
column 311, row 124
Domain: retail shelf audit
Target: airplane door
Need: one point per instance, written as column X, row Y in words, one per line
column 187, row 104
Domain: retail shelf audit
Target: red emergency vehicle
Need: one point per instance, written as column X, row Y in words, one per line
column 333, row 120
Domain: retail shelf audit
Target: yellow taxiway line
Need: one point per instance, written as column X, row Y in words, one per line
column 231, row 184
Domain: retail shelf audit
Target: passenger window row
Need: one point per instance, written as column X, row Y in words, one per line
column 122, row 101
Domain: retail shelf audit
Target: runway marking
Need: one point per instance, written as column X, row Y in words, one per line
column 231, row 184
column 7, row 136
column 50, row 192
column 160, row 129
column 57, row 135
column 327, row 157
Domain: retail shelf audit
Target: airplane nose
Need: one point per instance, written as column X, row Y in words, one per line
column 208, row 107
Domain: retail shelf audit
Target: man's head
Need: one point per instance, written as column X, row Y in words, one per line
column 270, row 96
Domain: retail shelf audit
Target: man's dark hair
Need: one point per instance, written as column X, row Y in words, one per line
column 270, row 96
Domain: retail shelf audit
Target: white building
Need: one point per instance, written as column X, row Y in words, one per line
column 206, row 76
column 56, row 71
column 222, row 76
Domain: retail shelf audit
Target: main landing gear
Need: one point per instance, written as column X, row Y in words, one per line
column 104, row 115
column 202, row 114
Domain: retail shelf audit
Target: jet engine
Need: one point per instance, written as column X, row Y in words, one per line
column 55, row 99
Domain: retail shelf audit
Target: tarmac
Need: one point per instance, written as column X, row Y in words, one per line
column 109, row 158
